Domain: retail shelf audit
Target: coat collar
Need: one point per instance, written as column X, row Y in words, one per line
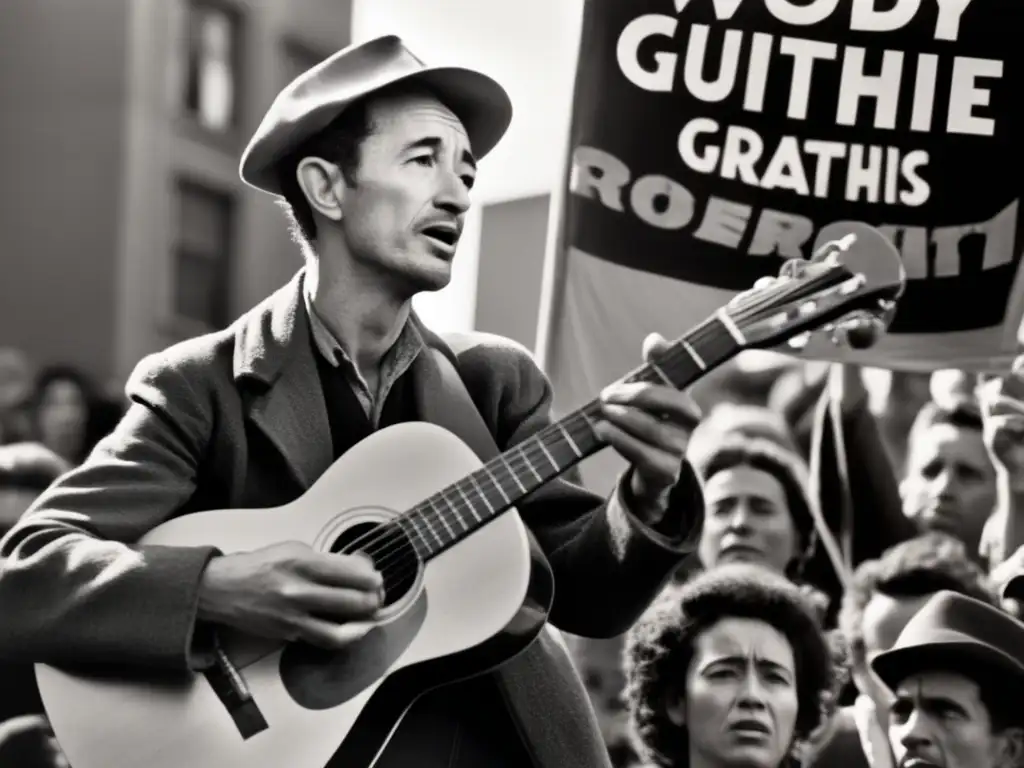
column 273, row 347
column 267, row 336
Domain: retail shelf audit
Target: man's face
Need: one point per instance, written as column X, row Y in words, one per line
column 747, row 520
column 938, row 719
column 884, row 619
column 403, row 213
column 950, row 484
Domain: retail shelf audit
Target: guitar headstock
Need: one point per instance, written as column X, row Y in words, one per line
column 848, row 291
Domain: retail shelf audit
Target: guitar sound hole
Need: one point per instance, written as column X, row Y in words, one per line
column 392, row 552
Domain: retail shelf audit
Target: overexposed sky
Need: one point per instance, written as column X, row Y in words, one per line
column 529, row 46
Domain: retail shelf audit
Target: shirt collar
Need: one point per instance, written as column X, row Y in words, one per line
column 408, row 344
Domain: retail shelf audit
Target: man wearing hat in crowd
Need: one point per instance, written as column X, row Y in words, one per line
column 373, row 154
column 956, row 671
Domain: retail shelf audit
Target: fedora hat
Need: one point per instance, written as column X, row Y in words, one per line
column 316, row 97
column 953, row 632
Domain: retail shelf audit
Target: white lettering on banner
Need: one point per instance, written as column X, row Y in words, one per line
column 757, row 78
column 713, row 63
column 666, row 204
column 868, row 178
column 864, row 17
column 693, row 73
column 801, row 15
column 965, row 96
column 924, row 92
column 884, row 88
column 808, row 57
column 638, row 31
column 804, row 53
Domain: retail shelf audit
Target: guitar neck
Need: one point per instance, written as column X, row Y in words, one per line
column 450, row 515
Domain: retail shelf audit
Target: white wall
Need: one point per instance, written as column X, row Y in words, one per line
column 529, row 46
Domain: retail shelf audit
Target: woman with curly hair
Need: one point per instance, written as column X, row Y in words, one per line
column 728, row 670
column 757, row 511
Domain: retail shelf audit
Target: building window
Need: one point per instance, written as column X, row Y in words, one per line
column 210, row 82
column 202, row 256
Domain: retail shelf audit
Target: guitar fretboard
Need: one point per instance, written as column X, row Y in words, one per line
column 450, row 515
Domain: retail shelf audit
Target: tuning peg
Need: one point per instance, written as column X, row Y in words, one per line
column 860, row 330
column 833, row 249
column 799, row 342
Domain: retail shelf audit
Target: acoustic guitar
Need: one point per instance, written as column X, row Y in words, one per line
column 462, row 595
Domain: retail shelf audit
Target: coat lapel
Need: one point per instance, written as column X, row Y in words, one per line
column 272, row 346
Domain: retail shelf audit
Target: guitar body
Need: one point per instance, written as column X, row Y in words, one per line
column 467, row 610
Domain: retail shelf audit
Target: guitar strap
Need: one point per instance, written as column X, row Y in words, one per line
column 466, row 421
column 545, row 670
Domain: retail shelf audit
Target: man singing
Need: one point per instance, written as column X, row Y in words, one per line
column 374, row 155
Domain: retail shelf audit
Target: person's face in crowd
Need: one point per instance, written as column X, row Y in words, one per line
column 63, row 412
column 884, row 619
column 15, row 379
column 740, row 703
column 747, row 519
column 939, row 719
column 950, row 483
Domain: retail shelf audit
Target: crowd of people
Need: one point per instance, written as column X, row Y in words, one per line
column 934, row 495
column 806, row 572
column 934, row 505
column 50, row 418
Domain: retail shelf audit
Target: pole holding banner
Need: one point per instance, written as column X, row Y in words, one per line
column 553, row 273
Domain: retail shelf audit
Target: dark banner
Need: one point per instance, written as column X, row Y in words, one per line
column 712, row 139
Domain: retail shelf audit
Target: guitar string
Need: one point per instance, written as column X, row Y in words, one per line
column 525, row 456
column 395, row 536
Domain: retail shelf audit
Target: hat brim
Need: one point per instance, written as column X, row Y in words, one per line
column 895, row 666
column 480, row 102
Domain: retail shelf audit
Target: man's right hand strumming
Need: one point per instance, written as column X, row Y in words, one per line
column 291, row 592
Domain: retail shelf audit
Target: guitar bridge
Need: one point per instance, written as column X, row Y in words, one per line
column 227, row 682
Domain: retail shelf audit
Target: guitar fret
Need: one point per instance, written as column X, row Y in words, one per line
column 730, row 326
column 548, row 455
column 529, row 464
column 419, row 535
column 560, row 444
column 568, row 438
column 497, row 484
column 664, row 376
column 480, row 492
column 693, row 354
column 444, row 518
column 512, row 472
column 469, row 504
column 430, row 528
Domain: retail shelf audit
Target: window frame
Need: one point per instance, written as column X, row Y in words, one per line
column 182, row 185
column 188, row 122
